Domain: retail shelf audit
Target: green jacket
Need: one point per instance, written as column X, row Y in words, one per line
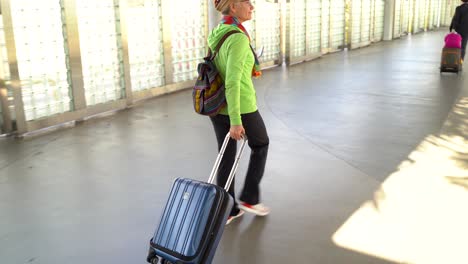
column 235, row 61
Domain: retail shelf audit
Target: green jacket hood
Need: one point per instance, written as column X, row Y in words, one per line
column 217, row 34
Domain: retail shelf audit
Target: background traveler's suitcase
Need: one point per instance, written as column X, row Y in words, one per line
column 450, row 61
column 194, row 218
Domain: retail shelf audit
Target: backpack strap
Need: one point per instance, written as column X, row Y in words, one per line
column 211, row 55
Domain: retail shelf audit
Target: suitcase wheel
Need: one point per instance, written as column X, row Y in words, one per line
column 154, row 260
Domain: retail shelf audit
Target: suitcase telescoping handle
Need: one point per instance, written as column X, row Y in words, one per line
column 220, row 157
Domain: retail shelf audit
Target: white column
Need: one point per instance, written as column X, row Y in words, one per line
column 389, row 19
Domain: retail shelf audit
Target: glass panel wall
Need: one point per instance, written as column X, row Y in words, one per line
column 360, row 23
column 355, row 23
column 146, row 51
column 337, row 22
column 325, row 40
column 314, row 25
column 40, row 41
column 443, row 13
column 268, row 35
column 166, row 40
column 313, row 28
column 397, row 20
column 405, row 16
column 451, row 5
column 297, row 16
column 422, row 14
column 379, row 20
column 188, row 29
column 5, row 77
column 366, row 22
column 101, row 53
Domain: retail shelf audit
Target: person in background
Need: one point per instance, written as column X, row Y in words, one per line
column 237, row 63
column 460, row 25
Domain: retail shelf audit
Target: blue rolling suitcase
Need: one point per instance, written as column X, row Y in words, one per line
column 193, row 220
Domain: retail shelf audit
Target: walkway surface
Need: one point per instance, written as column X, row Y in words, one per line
column 368, row 163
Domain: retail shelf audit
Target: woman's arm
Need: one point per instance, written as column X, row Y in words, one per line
column 238, row 49
column 455, row 20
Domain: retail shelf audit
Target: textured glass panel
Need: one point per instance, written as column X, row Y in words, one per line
column 188, row 37
column 337, row 15
column 40, row 52
column 435, row 9
column 435, row 12
column 314, row 10
column 379, row 20
column 415, row 13
column 298, row 27
column 325, row 23
column 100, row 52
column 429, row 11
column 397, row 20
column 422, row 14
column 365, row 21
column 405, row 16
column 145, row 44
column 356, row 22
column 250, row 27
column 444, row 13
column 268, row 24
column 3, row 50
column 450, row 11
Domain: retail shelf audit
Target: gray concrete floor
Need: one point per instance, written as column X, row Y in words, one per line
column 339, row 126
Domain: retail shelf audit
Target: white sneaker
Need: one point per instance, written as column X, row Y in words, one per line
column 230, row 218
column 258, row 209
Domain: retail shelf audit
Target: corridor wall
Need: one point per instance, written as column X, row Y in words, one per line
column 314, row 28
column 265, row 31
column 360, row 23
column 96, row 59
column 67, row 60
column 378, row 20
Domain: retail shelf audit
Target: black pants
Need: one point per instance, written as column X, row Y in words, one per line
column 463, row 46
column 258, row 142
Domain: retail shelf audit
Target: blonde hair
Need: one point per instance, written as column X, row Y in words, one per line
column 227, row 10
column 223, row 6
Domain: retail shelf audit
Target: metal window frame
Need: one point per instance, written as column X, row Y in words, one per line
column 14, row 84
column 7, row 126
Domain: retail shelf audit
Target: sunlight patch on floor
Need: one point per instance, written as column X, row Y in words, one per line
column 420, row 213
